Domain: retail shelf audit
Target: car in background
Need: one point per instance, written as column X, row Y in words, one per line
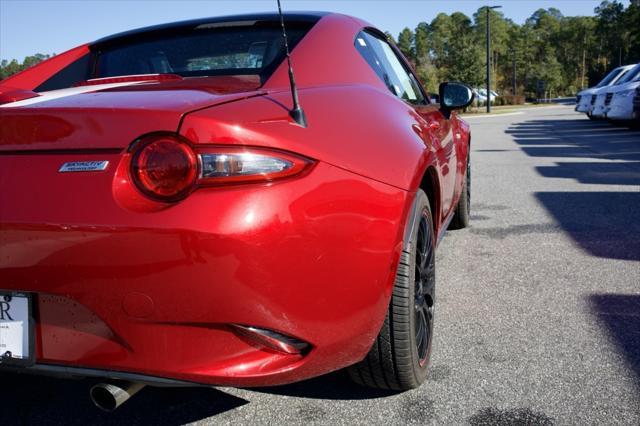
column 625, row 102
column 481, row 95
column 636, row 108
column 171, row 216
column 585, row 99
column 604, row 95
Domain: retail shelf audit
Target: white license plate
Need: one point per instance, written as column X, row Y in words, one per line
column 16, row 335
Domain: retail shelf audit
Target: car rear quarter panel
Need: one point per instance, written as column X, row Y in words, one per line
column 355, row 127
column 373, row 134
column 154, row 291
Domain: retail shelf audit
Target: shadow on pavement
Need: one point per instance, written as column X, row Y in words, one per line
column 619, row 315
column 605, row 224
column 46, row 400
column 336, row 386
column 41, row 400
column 579, row 138
column 595, row 173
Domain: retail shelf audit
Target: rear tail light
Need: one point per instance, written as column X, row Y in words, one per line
column 167, row 168
column 241, row 165
column 164, row 167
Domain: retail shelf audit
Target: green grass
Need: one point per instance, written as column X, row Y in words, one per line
column 503, row 109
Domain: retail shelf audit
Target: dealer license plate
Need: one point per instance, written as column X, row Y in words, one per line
column 16, row 329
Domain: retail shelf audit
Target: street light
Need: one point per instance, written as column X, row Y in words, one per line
column 489, row 58
column 513, row 68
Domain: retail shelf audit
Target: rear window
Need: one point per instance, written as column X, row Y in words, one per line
column 207, row 50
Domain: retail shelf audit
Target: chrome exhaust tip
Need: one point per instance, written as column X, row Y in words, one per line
column 108, row 396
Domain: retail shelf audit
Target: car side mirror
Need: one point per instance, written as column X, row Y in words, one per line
column 454, row 96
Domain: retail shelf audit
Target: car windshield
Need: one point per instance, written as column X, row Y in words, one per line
column 632, row 75
column 609, row 78
column 207, row 50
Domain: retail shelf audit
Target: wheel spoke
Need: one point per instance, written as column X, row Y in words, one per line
column 424, row 287
column 422, row 245
column 428, row 287
column 424, row 249
column 429, row 312
column 421, row 333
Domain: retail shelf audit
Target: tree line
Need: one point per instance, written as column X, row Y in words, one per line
column 552, row 53
column 558, row 54
column 8, row 68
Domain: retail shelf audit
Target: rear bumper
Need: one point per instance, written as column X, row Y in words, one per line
column 64, row 372
column 154, row 293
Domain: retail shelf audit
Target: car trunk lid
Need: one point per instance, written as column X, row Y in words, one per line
column 112, row 115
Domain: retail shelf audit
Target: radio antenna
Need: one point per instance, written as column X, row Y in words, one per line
column 296, row 113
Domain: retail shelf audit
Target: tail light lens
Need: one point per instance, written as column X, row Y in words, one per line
column 241, row 165
column 167, row 168
column 164, row 168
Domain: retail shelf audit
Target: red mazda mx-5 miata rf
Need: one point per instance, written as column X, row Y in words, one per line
column 169, row 216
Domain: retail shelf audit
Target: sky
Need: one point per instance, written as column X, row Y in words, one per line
column 51, row 26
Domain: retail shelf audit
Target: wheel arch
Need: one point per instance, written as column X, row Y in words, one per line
column 429, row 183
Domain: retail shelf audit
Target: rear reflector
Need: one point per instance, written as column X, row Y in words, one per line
column 272, row 340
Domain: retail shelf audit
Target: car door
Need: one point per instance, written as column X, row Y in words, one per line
column 434, row 128
column 441, row 137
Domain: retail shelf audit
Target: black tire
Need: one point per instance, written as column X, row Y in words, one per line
column 463, row 209
column 399, row 357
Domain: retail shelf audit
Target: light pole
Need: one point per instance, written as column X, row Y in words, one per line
column 487, row 8
column 513, row 67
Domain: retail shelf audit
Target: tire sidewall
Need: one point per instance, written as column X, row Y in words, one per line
column 421, row 207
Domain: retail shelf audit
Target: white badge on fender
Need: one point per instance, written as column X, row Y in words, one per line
column 83, row 166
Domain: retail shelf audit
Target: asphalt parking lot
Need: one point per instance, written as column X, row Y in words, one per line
column 537, row 315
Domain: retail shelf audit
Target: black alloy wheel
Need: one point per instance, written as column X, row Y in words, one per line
column 399, row 357
column 424, row 289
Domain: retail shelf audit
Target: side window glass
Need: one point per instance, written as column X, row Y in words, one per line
column 69, row 75
column 386, row 64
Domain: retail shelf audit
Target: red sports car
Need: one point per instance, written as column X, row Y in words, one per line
column 169, row 216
